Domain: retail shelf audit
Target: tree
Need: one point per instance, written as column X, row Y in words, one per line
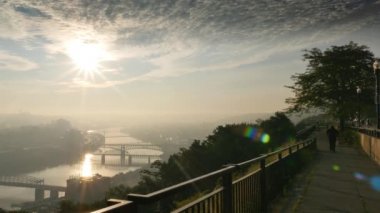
column 232, row 143
column 227, row 144
column 280, row 129
column 331, row 80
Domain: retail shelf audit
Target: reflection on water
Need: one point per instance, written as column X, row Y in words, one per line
column 86, row 170
column 54, row 176
column 91, row 165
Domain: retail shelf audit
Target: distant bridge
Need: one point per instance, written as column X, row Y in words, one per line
column 121, row 150
column 129, row 146
column 32, row 182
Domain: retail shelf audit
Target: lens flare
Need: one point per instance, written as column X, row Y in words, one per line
column 375, row 183
column 359, row 176
column 256, row 134
column 87, row 166
column 250, row 132
column 265, row 138
column 336, row 168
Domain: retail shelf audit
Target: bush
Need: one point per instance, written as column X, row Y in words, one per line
column 349, row 137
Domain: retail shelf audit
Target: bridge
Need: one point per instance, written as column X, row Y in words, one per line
column 345, row 181
column 122, row 151
column 32, row 182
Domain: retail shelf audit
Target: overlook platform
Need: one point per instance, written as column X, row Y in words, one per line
column 345, row 181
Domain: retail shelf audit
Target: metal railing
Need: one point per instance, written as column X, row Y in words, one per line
column 22, row 179
column 305, row 133
column 264, row 178
column 368, row 131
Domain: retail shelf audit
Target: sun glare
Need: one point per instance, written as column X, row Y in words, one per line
column 87, row 166
column 86, row 56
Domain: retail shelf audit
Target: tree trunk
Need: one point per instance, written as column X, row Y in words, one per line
column 341, row 123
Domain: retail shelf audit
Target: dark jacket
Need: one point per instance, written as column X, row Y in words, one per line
column 332, row 133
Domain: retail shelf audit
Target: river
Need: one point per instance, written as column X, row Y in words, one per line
column 59, row 174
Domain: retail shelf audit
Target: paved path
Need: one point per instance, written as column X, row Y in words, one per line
column 339, row 182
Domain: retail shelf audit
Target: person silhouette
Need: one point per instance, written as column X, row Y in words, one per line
column 332, row 134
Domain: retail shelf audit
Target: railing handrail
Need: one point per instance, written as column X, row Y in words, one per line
column 374, row 132
column 264, row 156
column 154, row 196
column 116, row 204
column 157, row 195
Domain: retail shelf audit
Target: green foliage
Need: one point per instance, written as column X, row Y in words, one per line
column 68, row 206
column 321, row 119
column 119, row 192
column 349, row 137
column 228, row 144
column 331, row 80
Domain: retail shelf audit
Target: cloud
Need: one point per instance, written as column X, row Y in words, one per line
column 11, row 24
column 179, row 37
column 81, row 83
column 10, row 62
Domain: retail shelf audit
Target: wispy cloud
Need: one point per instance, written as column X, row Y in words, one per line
column 181, row 36
column 9, row 62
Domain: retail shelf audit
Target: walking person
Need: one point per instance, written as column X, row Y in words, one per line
column 332, row 134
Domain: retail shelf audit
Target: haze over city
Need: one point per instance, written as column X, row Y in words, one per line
column 168, row 60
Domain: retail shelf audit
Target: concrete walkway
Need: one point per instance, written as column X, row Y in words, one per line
column 339, row 182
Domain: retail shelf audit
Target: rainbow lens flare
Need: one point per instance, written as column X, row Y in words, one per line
column 256, row 134
column 375, row 183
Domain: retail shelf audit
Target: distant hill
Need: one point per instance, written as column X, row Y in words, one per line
column 253, row 117
column 23, row 119
column 243, row 118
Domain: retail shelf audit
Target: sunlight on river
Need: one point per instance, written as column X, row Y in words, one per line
column 90, row 165
column 86, row 170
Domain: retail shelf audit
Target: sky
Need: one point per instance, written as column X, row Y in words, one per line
column 159, row 59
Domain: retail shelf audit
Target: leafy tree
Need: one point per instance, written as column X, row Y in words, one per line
column 280, row 129
column 227, row 144
column 331, row 80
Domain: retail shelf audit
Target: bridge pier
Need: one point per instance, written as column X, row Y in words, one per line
column 39, row 194
column 130, row 160
column 54, row 194
column 103, row 159
column 122, row 156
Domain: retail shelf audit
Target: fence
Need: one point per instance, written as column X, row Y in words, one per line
column 370, row 142
column 264, row 178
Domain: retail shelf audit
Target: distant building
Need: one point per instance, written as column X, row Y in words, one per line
column 87, row 190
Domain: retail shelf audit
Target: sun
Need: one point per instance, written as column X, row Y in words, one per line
column 86, row 55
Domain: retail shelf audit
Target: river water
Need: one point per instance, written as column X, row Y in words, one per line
column 59, row 174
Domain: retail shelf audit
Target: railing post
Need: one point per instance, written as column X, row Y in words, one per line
column 282, row 171
column 103, row 159
column 370, row 148
column 263, row 186
column 227, row 193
